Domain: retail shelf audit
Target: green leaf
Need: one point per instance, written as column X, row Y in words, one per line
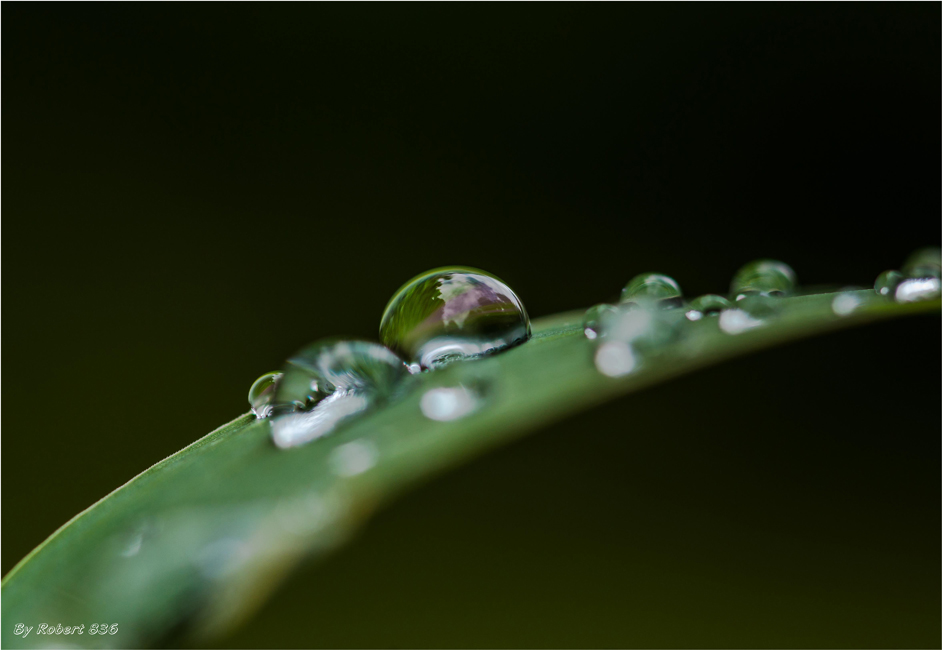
column 198, row 541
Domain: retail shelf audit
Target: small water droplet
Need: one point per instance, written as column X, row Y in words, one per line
column 615, row 359
column 916, row 289
column 707, row 305
column 596, row 319
column 328, row 382
column 262, row 393
column 844, row 304
column 134, row 541
column 353, row 458
column 643, row 325
column 887, row 282
column 737, row 321
column 453, row 313
column 764, row 278
column 653, row 287
column 447, row 403
column 924, row 263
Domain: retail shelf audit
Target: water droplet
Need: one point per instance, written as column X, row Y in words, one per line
column 737, row 321
column 764, row 278
column 653, row 287
column 615, row 359
column 596, row 319
column 707, row 305
column 447, row 403
column 844, row 304
column 329, row 381
column 916, row 289
column 924, row 263
column 887, row 282
column 353, row 458
column 642, row 325
column 262, row 392
column 453, row 313
column 134, row 546
column 134, row 540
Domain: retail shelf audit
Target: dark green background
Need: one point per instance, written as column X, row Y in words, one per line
column 193, row 192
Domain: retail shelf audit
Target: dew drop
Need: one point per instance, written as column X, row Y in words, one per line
column 262, row 393
column 924, row 263
column 596, row 319
column 916, row 289
column 653, row 287
column 453, row 313
column 447, row 403
column 642, row 325
column 328, row 382
column 887, row 282
column 707, row 305
column 737, row 321
column 764, row 278
column 845, row 304
column 615, row 359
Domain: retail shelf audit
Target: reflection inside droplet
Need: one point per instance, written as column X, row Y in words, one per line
column 707, row 305
column 262, row 392
column 655, row 288
column 763, row 278
column 886, row 282
column 449, row 403
column 453, row 313
column 596, row 319
column 916, row 289
column 295, row 429
column 329, row 381
column 615, row 359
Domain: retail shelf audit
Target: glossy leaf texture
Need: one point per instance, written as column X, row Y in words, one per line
column 192, row 546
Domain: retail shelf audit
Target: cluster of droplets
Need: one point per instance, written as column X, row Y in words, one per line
column 918, row 280
column 651, row 313
column 458, row 313
column 444, row 315
column 753, row 292
column 645, row 318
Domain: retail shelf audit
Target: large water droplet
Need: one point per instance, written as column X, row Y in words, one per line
column 597, row 318
column 924, row 263
column 453, row 313
column 653, row 287
column 262, row 393
column 707, row 305
column 329, row 381
column 764, row 278
column 887, row 282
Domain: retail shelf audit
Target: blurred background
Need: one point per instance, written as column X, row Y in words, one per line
column 193, row 192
